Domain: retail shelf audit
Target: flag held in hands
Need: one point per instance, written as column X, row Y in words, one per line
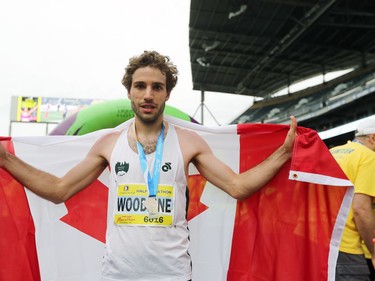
column 288, row 231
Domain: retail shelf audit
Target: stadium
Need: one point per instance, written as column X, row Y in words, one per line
column 258, row 48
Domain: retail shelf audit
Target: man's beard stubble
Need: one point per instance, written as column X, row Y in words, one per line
column 147, row 118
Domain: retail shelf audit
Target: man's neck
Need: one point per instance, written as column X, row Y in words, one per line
column 147, row 130
column 147, row 135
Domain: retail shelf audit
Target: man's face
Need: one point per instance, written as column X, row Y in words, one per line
column 148, row 94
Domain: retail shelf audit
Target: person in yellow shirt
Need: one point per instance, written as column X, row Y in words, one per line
column 357, row 159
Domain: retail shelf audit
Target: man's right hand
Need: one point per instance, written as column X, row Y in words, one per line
column 3, row 154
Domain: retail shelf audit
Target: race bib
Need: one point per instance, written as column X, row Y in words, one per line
column 133, row 208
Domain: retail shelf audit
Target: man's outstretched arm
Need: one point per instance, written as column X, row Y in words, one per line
column 54, row 188
column 240, row 186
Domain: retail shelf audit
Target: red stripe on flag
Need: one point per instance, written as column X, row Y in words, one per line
column 283, row 231
column 18, row 256
column 315, row 157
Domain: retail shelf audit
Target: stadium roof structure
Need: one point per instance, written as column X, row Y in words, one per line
column 257, row 47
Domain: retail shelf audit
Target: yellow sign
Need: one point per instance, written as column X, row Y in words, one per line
column 131, row 209
column 28, row 109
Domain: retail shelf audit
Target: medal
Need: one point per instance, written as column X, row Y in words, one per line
column 152, row 181
column 151, row 205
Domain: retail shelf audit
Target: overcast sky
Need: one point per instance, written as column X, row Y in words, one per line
column 79, row 48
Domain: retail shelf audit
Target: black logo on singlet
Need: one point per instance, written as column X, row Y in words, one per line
column 167, row 166
column 121, row 168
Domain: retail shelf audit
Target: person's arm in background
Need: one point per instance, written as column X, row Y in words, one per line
column 364, row 218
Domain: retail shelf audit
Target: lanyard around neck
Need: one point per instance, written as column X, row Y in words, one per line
column 151, row 181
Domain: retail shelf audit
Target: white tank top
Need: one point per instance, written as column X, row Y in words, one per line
column 139, row 247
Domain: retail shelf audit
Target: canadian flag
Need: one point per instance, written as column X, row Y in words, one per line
column 289, row 230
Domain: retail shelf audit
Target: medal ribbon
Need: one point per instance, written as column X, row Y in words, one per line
column 151, row 181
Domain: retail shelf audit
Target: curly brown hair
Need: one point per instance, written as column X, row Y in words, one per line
column 155, row 60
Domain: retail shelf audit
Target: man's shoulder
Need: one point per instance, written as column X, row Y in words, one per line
column 104, row 146
column 113, row 134
column 185, row 132
column 109, row 138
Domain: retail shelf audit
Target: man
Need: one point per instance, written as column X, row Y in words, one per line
column 147, row 236
column 357, row 160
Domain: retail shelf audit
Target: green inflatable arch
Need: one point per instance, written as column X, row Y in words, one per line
column 108, row 114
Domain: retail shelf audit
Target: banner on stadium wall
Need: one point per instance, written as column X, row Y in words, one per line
column 46, row 109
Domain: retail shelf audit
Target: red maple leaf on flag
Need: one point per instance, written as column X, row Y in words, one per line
column 87, row 210
column 196, row 184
